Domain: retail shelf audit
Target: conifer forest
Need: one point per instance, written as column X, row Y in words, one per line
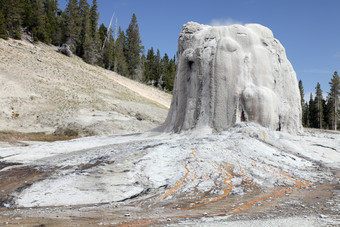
column 77, row 28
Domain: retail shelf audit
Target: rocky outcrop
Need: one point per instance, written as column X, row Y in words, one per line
column 231, row 74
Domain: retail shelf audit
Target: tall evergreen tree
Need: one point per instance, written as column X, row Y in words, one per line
column 327, row 113
column 108, row 52
column 312, row 113
column 53, row 21
column 149, row 66
column 140, row 69
column 28, row 18
column 94, row 18
column 302, row 94
column 306, row 115
column 85, row 47
column 12, row 12
column 334, row 98
column 165, row 71
column 72, row 23
column 170, row 73
column 121, row 64
column 102, row 34
column 133, row 46
column 58, row 38
column 39, row 27
column 319, row 102
column 3, row 29
column 158, row 70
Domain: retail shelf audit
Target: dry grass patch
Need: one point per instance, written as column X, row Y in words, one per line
column 16, row 137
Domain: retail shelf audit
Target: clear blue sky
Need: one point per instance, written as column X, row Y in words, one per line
column 308, row 29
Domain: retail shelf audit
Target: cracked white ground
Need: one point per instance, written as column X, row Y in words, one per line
column 190, row 178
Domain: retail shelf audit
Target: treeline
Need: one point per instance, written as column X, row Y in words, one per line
column 319, row 112
column 77, row 29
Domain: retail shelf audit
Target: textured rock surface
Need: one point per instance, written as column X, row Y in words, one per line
column 230, row 74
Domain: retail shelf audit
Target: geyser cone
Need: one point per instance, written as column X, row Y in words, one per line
column 230, row 74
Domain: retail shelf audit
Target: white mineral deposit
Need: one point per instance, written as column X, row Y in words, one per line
column 231, row 74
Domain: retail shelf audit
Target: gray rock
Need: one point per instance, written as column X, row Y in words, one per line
column 322, row 216
column 65, row 49
column 230, row 74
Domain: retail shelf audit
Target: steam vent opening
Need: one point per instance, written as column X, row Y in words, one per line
column 232, row 78
column 190, row 63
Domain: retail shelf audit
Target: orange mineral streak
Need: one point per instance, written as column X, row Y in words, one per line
column 298, row 184
column 193, row 154
column 183, row 180
column 246, row 180
column 227, row 171
column 226, row 190
column 285, row 176
column 178, row 184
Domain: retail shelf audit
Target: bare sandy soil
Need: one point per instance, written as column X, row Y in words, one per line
column 45, row 91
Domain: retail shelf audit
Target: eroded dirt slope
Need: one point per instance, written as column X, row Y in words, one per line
column 45, row 91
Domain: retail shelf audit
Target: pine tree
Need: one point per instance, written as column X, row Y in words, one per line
column 53, row 21
column 165, row 71
column 133, row 47
column 146, row 69
column 140, row 69
column 94, row 18
column 312, row 113
column 35, row 20
column 319, row 105
column 334, row 98
column 85, row 47
column 102, row 34
column 108, row 52
column 302, row 101
column 306, row 115
column 158, row 70
column 122, row 67
column 3, row 29
column 12, row 12
column 72, row 25
column 169, row 72
column 39, row 28
column 148, row 72
column 173, row 71
column 57, row 39
column 327, row 113
column 108, row 44
column 28, row 15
